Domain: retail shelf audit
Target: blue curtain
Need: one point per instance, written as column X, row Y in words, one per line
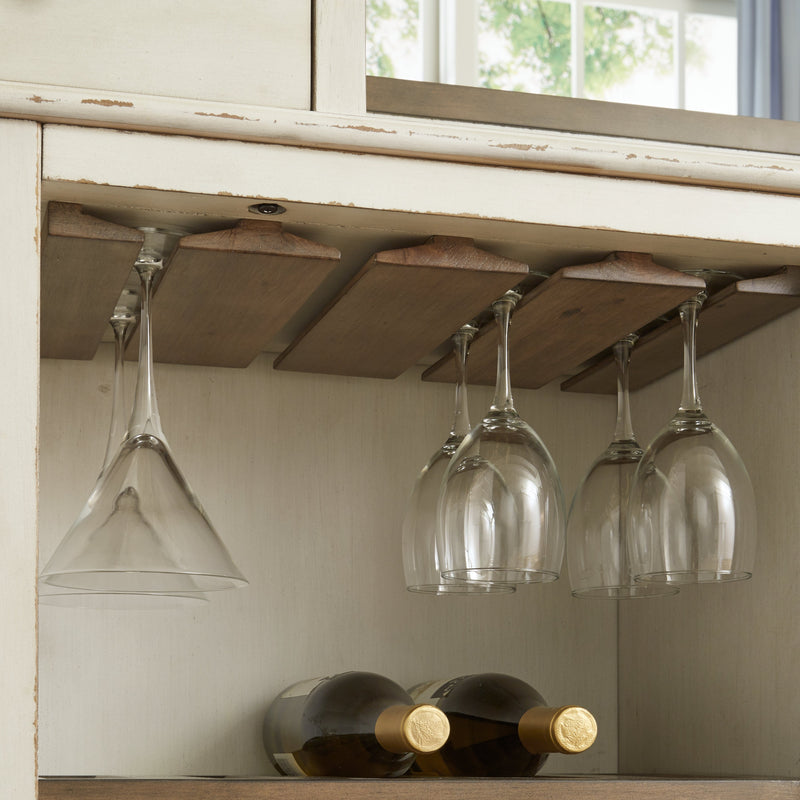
column 769, row 58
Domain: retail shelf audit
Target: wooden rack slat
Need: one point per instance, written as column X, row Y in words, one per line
column 733, row 312
column 85, row 264
column 401, row 306
column 540, row 788
column 572, row 316
column 225, row 294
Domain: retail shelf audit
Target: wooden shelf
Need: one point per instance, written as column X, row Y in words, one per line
column 85, row 265
column 568, row 788
column 400, row 307
column 572, row 316
column 225, row 294
column 734, row 311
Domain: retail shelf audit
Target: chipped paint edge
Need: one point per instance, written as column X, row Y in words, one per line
column 491, row 145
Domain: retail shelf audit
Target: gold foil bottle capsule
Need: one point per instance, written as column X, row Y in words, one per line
column 412, row 729
column 569, row 729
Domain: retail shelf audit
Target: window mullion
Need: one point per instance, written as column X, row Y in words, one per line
column 430, row 37
column 680, row 57
column 577, row 55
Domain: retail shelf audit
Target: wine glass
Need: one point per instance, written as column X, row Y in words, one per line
column 692, row 506
column 143, row 529
column 501, row 509
column 122, row 322
column 420, row 557
column 597, row 535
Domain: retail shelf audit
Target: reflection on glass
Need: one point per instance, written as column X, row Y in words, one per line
column 597, row 528
column 501, row 510
column 420, row 555
column 692, row 505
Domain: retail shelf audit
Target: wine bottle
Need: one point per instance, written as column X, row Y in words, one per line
column 355, row 724
column 499, row 727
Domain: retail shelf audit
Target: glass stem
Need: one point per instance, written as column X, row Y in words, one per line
column 690, row 399
column 145, row 417
column 117, row 429
column 622, row 355
column 461, row 341
column 503, row 401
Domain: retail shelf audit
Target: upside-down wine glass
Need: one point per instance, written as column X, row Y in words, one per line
column 597, row 534
column 501, row 509
column 420, row 557
column 143, row 529
column 122, row 322
column 693, row 513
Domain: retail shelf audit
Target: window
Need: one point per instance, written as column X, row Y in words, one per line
column 670, row 53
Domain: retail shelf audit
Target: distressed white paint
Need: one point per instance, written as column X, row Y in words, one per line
column 340, row 56
column 417, row 185
column 19, row 330
column 256, row 51
column 449, row 141
column 306, row 479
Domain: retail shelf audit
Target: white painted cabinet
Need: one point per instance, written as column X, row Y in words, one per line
column 306, row 476
column 255, row 52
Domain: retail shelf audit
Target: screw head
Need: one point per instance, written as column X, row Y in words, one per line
column 267, row 209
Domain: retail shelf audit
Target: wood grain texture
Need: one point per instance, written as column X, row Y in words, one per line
column 85, row 264
column 589, row 788
column 225, row 294
column 399, row 307
column 733, row 312
column 474, row 104
column 573, row 315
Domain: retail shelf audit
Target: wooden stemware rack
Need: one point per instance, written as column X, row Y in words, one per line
column 226, row 294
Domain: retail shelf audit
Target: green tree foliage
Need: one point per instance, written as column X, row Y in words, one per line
column 617, row 42
column 400, row 17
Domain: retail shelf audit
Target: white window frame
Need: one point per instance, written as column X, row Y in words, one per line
column 449, row 34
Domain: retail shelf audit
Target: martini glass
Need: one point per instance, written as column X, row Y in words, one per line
column 597, row 534
column 501, row 509
column 142, row 529
column 692, row 506
column 122, row 322
column 420, row 557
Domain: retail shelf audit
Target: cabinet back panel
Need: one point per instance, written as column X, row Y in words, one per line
column 306, row 479
column 708, row 682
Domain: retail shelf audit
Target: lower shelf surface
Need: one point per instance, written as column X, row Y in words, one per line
column 593, row 787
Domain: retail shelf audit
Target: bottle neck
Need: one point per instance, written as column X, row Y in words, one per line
column 569, row 729
column 145, row 417
column 690, row 398
column 418, row 728
column 503, row 402
column 623, row 431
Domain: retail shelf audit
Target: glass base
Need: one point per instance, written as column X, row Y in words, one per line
column 625, row 592
column 694, row 576
column 465, row 587
column 141, row 582
column 119, row 601
column 501, row 575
